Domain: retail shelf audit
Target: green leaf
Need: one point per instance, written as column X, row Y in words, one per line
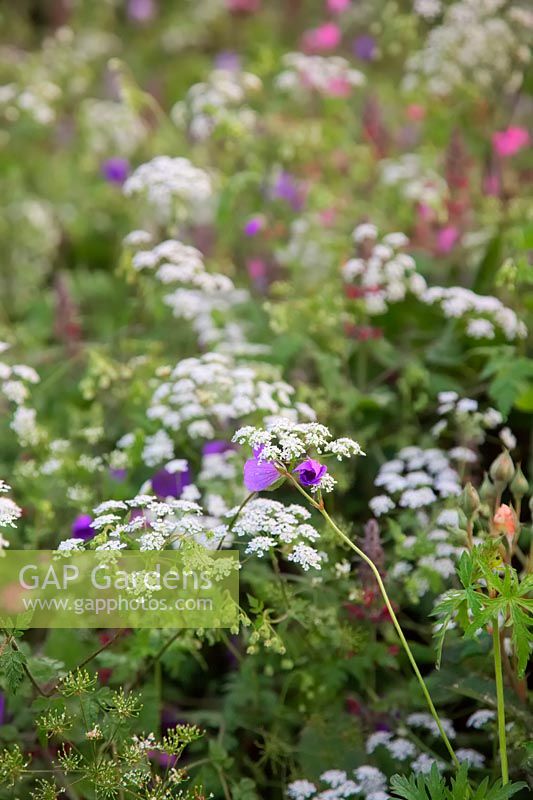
column 521, row 636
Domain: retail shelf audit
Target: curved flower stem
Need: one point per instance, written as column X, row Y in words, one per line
column 399, row 631
column 496, row 645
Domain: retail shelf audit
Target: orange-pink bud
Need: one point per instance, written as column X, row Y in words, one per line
column 505, row 521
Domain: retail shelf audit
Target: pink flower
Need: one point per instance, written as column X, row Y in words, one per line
column 447, row 238
column 243, row 6
column 325, row 37
column 508, row 143
column 337, row 6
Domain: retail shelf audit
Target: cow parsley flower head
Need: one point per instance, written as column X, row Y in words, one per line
column 269, row 525
column 172, row 187
column 284, row 446
column 206, row 394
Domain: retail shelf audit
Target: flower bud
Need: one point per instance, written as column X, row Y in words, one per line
column 502, row 470
column 470, row 501
column 505, row 521
column 519, row 485
column 487, row 491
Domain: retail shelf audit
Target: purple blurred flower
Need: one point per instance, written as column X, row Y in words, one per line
column 141, row 10
column 2, row 708
column 364, row 47
column 81, row 527
column 170, row 484
column 287, row 188
column 118, row 475
column 310, row 472
column 217, row 446
column 116, row 170
column 254, row 225
column 229, row 60
column 259, row 475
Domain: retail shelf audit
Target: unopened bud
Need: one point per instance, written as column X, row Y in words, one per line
column 505, row 521
column 487, row 491
column 502, row 470
column 519, row 485
column 470, row 501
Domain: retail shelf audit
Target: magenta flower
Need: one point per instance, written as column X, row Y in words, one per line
column 259, row 475
column 322, row 39
column 447, row 238
column 507, row 143
column 310, row 472
column 254, row 225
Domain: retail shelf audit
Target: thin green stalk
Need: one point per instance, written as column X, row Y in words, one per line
column 496, row 648
column 399, row 631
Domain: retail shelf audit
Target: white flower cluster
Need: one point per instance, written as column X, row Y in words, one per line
column 416, row 182
column 173, row 188
column 14, row 381
column 9, row 513
column 111, row 128
column 208, row 393
column 416, row 478
column 201, row 295
column 144, row 521
column 62, row 68
column 479, row 42
column 268, row 524
column 428, row 9
column 367, row 782
column 482, row 313
column 382, row 274
column 216, row 102
column 327, row 75
column 464, row 414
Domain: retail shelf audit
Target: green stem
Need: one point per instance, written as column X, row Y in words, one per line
column 496, row 646
column 399, row 631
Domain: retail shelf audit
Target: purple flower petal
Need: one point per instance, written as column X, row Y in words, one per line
column 310, row 472
column 259, row 475
column 81, row 527
column 170, row 484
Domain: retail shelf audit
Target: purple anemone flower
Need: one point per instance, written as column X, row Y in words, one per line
column 81, row 527
column 364, row 47
column 259, row 475
column 170, row 484
column 216, row 447
column 310, row 472
column 116, row 170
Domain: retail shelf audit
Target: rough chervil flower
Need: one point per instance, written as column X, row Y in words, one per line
column 471, row 757
column 480, row 718
column 201, row 395
column 285, row 445
column 173, row 188
column 9, row 510
column 268, row 524
column 197, row 295
column 381, row 273
column 301, row 790
column 457, row 302
column 327, row 75
column 426, row 721
column 218, row 104
column 416, row 478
